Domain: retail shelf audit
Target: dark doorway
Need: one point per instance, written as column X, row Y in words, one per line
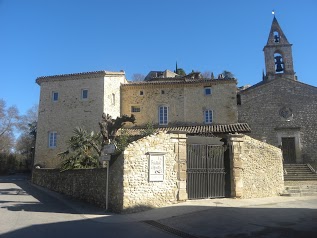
column 227, row 171
column 288, row 148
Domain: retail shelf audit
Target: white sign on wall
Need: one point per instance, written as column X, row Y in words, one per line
column 156, row 167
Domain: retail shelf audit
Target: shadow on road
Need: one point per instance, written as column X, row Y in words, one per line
column 212, row 222
column 192, row 221
column 41, row 201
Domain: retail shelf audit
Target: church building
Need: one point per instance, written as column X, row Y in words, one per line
column 280, row 109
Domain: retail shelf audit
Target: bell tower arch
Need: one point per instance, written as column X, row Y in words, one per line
column 278, row 54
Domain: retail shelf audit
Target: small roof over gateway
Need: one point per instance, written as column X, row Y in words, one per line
column 206, row 130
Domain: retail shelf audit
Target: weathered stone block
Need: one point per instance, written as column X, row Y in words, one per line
column 182, row 195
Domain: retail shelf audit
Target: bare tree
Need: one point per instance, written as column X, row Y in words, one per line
column 9, row 119
column 109, row 126
column 25, row 143
column 138, row 77
column 206, row 74
column 6, row 143
column 28, row 122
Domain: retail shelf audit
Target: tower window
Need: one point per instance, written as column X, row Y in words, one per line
column 207, row 90
column 238, row 99
column 279, row 63
column 135, row 109
column 276, row 37
column 84, row 94
column 52, row 139
column 208, row 116
column 55, row 96
column 163, row 115
column 113, row 99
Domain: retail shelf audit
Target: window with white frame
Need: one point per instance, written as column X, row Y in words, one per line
column 54, row 96
column 207, row 91
column 163, row 115
column 52, row 139
column 84, row 94
column 208, row 116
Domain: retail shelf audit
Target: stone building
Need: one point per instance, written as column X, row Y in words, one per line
column 196, row 152
column 182, row 101
column 280, row 109
column 165, row 100
column 69, row 101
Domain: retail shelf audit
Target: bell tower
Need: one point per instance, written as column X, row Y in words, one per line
column 278, row 55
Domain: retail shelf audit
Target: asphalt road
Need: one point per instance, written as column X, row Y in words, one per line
column 293, row 219
column 28, row 211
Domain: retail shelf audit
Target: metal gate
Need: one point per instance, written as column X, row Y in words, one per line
column 205, row 171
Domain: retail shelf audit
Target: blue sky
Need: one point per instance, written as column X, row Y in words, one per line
column 51, row 37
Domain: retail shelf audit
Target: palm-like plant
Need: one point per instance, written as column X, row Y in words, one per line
column 84, row 150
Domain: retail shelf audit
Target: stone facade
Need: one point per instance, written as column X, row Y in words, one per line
column 256, row 168
column 280, row 109
column 70, row 110
column 186, row 101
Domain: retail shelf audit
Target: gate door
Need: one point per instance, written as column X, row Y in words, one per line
column 205, row 171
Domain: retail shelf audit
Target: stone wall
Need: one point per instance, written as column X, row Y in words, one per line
column 85, row 184
column 186, row 102
column 138, row 192
column 256, row 171
column 89, row 185
column 129, row 187
column 116, row 184
column 256, row 168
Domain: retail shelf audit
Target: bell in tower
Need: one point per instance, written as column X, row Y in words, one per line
column 279, row 64
column 276, row 37
column 278, row 54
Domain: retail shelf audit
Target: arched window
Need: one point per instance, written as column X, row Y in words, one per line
column 279, row 63
column 276, row 37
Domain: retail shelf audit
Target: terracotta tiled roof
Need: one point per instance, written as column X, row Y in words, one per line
column 76, row 75
column 199, row 130
column 265, row 83
column 178, row 81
